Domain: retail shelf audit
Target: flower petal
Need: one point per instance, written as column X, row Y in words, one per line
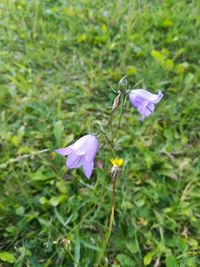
column 64, row 151
column 81, row 145
column 136, row 100
column 88, row 168
column 74, row 161
column 141, row 95
column 92, row 149
column 146, row 110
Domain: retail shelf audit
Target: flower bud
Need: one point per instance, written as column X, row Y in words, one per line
column 116, row 102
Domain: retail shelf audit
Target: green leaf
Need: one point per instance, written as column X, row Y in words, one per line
column 169, row 64
column 56, row 200
column 20, row 211
column 41, row 176
column 158, row 56
column 43, row 200
column 89, row 245
column 171, row 261
column 77, row 247
column 193, row 243
column 58, row 132
column 167, row 23
column 148, row 258
column 7, row 256
column 125, row 260
column 131, row 70
column 133, row 246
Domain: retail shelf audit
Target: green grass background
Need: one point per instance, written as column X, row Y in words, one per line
column 59, row 61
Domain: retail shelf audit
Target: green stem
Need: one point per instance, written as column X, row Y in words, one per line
column 120, row 118
column 108, row 234
column 112, row 210
column 115, row 174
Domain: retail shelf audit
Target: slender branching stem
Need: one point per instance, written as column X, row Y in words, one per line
column 120, row 118
column 112, row 209
column 109, row 232
column 115, row 174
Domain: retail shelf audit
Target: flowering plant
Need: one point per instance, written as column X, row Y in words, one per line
column 84, row 150
column 82, row 153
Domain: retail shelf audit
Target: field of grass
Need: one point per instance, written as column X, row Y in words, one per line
column 59, row 63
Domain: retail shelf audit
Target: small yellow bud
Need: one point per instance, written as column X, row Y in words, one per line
column 117, row 162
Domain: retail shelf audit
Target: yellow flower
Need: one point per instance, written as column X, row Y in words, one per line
column 117, row 162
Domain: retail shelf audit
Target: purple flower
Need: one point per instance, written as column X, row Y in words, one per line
column 81, row 153
column 144, row 101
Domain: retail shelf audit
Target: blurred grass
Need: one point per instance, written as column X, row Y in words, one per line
column 59, row 63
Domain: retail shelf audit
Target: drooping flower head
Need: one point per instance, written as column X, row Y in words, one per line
column 81, row 153
column 144, row 101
